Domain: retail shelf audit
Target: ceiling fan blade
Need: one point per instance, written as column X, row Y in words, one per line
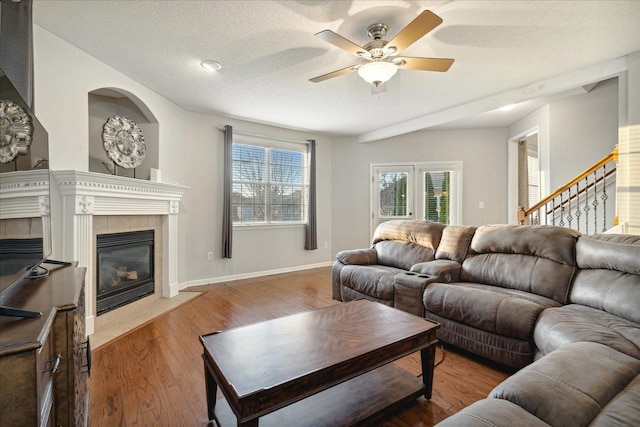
column 334, row 74
column 339, row 41
column 416, row 29
column 424, row 64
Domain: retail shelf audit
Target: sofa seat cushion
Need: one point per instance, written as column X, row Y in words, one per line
column 376, row 281
column 502, row 311
column 557, row 327
column 576, row 385
column 492, row 413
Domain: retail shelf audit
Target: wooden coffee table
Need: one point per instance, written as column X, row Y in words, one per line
column 324, row 367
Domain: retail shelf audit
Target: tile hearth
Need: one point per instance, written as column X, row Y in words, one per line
column 116, row 323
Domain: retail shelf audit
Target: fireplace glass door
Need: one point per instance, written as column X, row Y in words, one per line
column 124, row 268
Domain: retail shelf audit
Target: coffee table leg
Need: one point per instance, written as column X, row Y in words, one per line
column 212, row 390
column 428, row 356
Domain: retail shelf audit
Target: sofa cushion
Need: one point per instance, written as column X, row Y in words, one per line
column 372, row 280
column 455, row 242
column 609, row 274
column 534, row 259
column 574, row 384
column 622, row 411
column 420, row 232
column 560, row 326
column 492, row 413
column 402, row 254
column 506, row 312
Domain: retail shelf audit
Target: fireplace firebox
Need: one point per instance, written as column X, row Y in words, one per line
column 124, row 269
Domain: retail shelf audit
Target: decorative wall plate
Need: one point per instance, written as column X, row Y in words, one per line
column 16, row 131
column 123, row 141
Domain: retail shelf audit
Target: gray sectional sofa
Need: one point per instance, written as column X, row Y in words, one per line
column 563, row 307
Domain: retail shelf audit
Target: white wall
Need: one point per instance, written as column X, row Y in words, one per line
column 484, row 170
column 190, row 153
column 584, row 128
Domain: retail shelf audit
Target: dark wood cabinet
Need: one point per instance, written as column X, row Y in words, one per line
column 44, row 361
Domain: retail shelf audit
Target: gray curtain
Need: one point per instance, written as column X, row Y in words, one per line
column 227, row 220
column 311, row 234
column 16, row 46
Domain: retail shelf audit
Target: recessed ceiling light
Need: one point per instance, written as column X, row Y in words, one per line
column 508, row 107
column 211, row 65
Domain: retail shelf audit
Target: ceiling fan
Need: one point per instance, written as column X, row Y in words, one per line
column 380, row 60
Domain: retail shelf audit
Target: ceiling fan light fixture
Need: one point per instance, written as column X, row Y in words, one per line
column 377, row 72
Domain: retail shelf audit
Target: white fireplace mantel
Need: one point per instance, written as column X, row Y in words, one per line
column 85, row 194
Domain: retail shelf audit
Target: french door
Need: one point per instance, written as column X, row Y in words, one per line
column 427, row 190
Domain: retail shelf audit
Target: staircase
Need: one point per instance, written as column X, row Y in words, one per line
column 586, row 203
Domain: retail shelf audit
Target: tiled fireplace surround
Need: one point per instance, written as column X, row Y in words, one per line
column 93, row 203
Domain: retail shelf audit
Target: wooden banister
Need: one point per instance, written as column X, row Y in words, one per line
column 524, row 213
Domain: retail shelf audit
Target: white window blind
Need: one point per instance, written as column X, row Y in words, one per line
column 270, row 183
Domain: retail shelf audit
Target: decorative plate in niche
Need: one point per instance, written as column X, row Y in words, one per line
column 16, row 131
column 123, row 141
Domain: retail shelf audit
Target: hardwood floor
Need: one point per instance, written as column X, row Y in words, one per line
column 154, row 375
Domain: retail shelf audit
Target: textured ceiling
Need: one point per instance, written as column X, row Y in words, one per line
column 268, row 52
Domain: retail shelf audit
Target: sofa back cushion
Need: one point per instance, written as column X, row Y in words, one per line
column 420, row 232
column 539, row 259
column 402, row 255
column 609, row 274
column 455, row 242
column 402, row 243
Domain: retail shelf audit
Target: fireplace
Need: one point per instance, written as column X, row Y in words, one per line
column 124, row 268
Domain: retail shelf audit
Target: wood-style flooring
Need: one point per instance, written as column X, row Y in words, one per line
column 154, row 375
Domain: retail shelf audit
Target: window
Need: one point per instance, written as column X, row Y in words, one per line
column 270, row 184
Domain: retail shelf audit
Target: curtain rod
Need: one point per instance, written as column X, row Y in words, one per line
column 296, row 141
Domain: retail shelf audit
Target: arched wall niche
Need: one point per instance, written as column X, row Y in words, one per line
column 107, row 102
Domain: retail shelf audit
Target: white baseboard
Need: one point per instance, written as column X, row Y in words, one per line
column 251, row 275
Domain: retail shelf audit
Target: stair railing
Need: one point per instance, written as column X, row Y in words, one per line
column 582, row 203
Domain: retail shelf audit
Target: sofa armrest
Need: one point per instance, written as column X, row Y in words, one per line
column 445, row 270
column 358, row 257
